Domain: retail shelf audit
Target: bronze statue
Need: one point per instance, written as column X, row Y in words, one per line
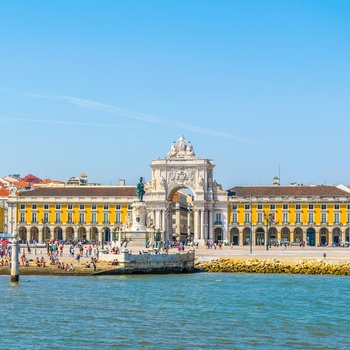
column 140, row 190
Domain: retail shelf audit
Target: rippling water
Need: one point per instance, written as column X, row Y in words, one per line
column 193, row 311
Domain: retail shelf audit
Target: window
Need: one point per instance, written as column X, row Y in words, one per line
column 348, row 218
column 260, row 206
column 23, row 206
column 246, row 206
column 118, row 218
column 297, row 218
column 34, row 206
column 129, row 207
column 285, row 218
column 117, row 207
column 336, row 218
column 46, row 207
column 323, row 218
column 105, row 218
column 105, row 206
column 234, row 206
column 93, row 206
column 323, row 206
column 260, row 218
column 70, row 218
column 246, row 218
column 70, row 206
column 34, row 218
column 336, row 206
column 218, row 219
column 348, row 206
column 311, row 218
column 46, row 217
column 58, row 218
column 22, row 218
column 272, row 206
column 234, row 218
column 81, row 206
column 285, row 206
column 58, row 206
column 81, row 218
column 297, row 206
column 311, row 207
column 93, row 218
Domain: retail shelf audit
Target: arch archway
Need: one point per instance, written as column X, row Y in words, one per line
column 58, row 233
column 46, row 233
column 22, row 234
column 106, row 234
column 272, row 236
column 347, row 239
column 94, row 234
column 285, row 235
column 323, row 236
column 310, row 236
column 70, row 233
column 180, row 169
column 34, row 234
column 260, row 236
column 336, row 236
column 234, row 236
column 247, row 233
column 298, row 233
column 218, row 235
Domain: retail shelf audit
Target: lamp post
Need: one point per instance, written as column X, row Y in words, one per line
column 251, row 227
column 268, row 218
column 103, row 233
column 44, row 229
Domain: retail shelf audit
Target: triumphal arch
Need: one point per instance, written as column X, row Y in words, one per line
column 179, row 170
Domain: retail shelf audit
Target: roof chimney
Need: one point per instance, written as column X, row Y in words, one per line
column 276, row 181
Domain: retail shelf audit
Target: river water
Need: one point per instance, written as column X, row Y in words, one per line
column 192, row 311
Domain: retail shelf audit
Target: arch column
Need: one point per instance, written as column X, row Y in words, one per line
column 211, row 233
column 196, row 225
column 28, row 235
column 40, row 235
column 202, row 231
column 291, row 235
column 206, row 224
column 317, row 237
column 100, row 235
column 240, row 237
column 279, row 234
column 88, row 234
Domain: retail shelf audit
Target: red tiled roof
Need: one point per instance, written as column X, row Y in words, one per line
column 4, row 193
column 288, row 191
column 31, row 178
column 81, row 191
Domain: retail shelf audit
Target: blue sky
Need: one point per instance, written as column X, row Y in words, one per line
column 104, row 87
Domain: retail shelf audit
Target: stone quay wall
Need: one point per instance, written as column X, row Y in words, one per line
column 152, row 263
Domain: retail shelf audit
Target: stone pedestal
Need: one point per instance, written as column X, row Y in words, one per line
column 137, row 234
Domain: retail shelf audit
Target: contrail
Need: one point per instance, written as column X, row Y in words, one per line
column 122, row 112
column 66, row 122
column 137, row 116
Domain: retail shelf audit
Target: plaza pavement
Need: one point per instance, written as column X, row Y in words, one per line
column 294, row 253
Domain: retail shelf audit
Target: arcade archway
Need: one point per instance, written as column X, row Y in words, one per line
column 180, row 169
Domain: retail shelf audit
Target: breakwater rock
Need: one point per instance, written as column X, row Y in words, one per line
column 274, row 266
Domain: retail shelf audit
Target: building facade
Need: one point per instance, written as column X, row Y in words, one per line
column 184, row 202
column 316, row 215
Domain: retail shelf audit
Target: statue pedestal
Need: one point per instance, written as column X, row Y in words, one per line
column 137, row 234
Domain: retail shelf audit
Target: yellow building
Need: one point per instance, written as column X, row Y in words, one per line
column 316, row 215
column 72, row 213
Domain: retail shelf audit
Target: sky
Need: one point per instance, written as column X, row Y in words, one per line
column 104, row 87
